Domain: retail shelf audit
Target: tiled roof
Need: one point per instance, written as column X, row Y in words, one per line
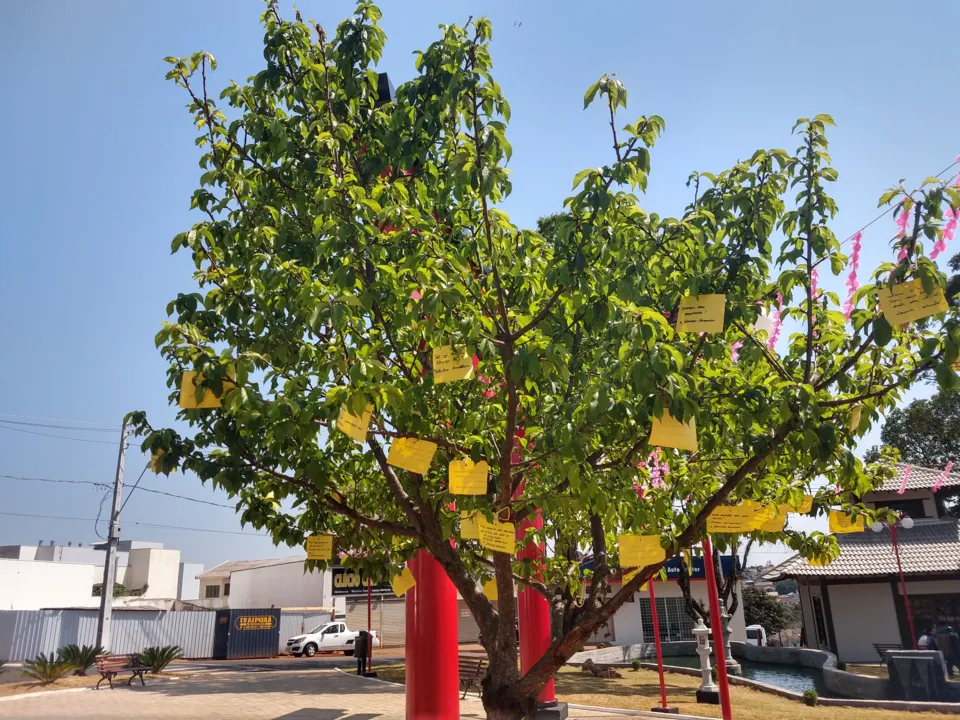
column 921, row 478
column 928, row 547
column 224, row 569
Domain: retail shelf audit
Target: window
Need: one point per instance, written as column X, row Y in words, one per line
column 672, row 617
column 935, row 610
column 332, row 630
column 212, row 591
column 910, row 508
column 226, row 589
column 819, row 622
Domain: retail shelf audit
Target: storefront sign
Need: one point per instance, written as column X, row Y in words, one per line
column 351, row 583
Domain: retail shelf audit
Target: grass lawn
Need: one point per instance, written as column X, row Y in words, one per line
column 871, row 669
column 640, row 690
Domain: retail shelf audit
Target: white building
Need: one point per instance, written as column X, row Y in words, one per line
column 280, row 583
column 857, row 601
column 56, row 576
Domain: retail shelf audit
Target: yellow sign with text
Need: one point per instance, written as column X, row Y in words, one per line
column 701, row 313
column 840, row 522
column 640, row 550
column 469, row 526
column 411, row 454
column 352, row 426
column 189, row 389
column 320, row 547
column 630, row 576
column 730, row 519
column 497, row 536
column 771, row 518
column 908, row 301
column 403, row 582
column 451, row 364
column 467, row 478
column 668, row 432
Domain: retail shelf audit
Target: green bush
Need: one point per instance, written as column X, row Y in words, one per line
column 635, row 664
column 157, row 658
column 841, row 665
column 46, row 669
column 80, row 658
column 811, row 698
column 3, row 669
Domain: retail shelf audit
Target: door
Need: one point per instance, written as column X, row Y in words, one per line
column 221, row 634
column 332, row 637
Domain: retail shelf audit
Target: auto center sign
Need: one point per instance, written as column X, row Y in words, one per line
column 351, row 582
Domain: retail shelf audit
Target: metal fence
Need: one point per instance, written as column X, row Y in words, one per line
column 24, row 634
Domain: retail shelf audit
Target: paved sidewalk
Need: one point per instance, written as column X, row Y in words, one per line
column 263, row 695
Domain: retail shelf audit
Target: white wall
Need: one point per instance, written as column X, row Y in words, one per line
column 930, row 587
column 31, row 585
column 863, row 614
column 156, row 568
column 279, row 586
column 627, row 626
column 188, row 587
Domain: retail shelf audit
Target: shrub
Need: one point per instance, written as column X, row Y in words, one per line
column 80, row 658
column 157, row 658
column 46, row 669
column 810, row 697
column 841, row 665
column 3, row 669
column 635, row 664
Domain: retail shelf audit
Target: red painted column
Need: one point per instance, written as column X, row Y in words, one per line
column 715, row 629
column 656, row 642
column 432, row 668
column 533, row 612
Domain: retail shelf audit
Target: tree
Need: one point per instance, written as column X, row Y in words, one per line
column 785, row 586
column 342, row 238
column 926, row 432
column 765, row 610
column 726, row 585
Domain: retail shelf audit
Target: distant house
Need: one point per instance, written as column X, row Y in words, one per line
column 856, row 601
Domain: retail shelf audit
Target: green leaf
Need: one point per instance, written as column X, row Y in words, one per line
column 882, row 332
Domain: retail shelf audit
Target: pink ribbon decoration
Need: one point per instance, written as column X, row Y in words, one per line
column 735, row 350
column 814, row 279
column 903, row 220
column 415, row 295
column 948, row 230
column 657, row 471
column 777, row 323
column 906, row 476
column 943, row 476
column 852, row 283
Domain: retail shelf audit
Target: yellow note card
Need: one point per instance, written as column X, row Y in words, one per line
column 156, row 457
column 730, row 519
column 497, row 536
column 352, row 426
column 701, row 313
column 907, row 302
column 840, row 522
column 771, row 518
column 450, row 364
column 411, row 454
column 188, row 393
column 640, row 550
column 819, row 561
column 467, row 478
column 469, row 526
column 630, row 576
column 320, row 547
column 403, row 582
column 855, row 414
column 667, row 432
column 490, row 590
column 956, row 365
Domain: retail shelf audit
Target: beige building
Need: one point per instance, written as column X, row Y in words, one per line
column 857, row 601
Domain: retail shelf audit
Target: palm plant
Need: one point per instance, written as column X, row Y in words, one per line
column 3, row 669
column 80, row 657
column 46, row 669
column 157, row 657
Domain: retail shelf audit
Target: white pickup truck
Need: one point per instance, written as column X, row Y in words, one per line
column 331, row 637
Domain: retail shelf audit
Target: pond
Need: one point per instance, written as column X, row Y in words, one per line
column 788, row 677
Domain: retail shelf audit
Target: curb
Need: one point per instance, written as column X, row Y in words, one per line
column 634, row 713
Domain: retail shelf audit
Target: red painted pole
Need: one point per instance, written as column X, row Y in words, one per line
column 533, row 612
column 369, row 627
column 717, row 631
column 903, row 586
column 656, row 641
column 432, row 668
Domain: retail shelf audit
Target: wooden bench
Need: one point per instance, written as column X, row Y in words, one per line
column 883, row 648
column 472, row 670
column 109, row 666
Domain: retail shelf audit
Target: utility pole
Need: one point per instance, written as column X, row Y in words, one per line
column 109, row 565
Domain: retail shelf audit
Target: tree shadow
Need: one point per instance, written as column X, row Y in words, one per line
column 582, row 684
column 285, row 682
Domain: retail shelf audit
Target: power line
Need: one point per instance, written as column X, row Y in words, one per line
column 140, row 524
column 59, row 427
column 106, row 486
column 61, row 437
column 59, row 420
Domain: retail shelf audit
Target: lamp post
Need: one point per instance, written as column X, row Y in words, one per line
column 906, row 523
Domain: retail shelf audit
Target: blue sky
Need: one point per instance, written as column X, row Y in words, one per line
column 99, row 165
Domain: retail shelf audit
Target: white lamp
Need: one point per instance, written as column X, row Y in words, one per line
column 877, row 526
column 907, row 522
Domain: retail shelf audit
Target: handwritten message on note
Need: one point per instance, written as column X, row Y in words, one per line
column 450, row 364
column 701, row 313
column 640, row 550
column 467, row 478
column 769, row 519
column 189, row 390
column 668, row 432
column 319, row 547
column 730, row 519
column 840, row 522
column 403, row 582
column 469, row 525
column 490, row 590
column 352, row 426
column 631, row 575
column 497, row 536
column 411, row 454
column 907, row 302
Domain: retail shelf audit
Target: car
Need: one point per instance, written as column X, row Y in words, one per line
column 756, row 635
column 329, row 637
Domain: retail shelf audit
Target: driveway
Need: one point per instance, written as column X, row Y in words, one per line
column 258, row 695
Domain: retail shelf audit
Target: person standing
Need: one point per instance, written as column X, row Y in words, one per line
column 949, row 643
